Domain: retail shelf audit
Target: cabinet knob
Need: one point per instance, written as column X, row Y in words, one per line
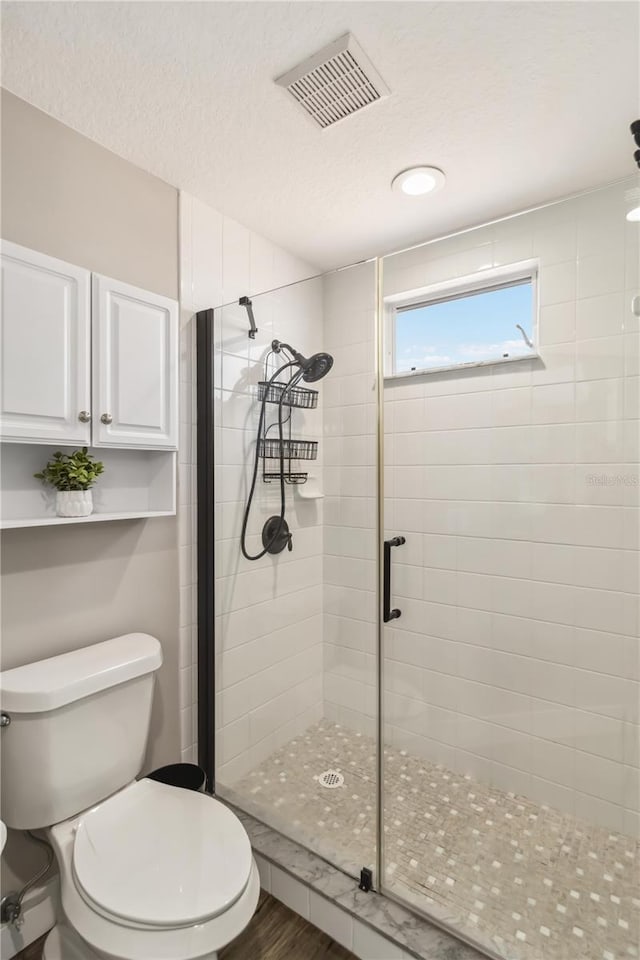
column 106, row 418
column 84, row 416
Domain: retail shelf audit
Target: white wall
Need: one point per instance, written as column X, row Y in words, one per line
column 269, row 612
column 516, row 657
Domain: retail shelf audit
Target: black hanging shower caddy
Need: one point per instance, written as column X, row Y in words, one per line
column 295, row 397
column 292, row 449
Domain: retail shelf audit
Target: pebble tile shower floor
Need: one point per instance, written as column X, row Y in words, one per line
column 525, row 880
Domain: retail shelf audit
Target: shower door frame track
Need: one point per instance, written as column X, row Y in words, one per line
column 205, row 511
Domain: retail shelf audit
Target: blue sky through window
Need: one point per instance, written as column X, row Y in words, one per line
column 473, row 327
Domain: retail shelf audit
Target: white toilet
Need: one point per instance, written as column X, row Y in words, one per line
column 148, row 871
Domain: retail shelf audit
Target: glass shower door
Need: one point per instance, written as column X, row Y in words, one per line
column 296, row 630
column 510, row 679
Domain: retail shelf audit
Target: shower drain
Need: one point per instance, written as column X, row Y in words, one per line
column 331, row 779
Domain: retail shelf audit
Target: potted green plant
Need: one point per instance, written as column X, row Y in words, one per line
column 72, row 475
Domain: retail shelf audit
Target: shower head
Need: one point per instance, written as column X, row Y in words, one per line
column 316, row 367
column 313, row 368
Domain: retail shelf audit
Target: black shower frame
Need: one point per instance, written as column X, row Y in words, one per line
column 205, row 509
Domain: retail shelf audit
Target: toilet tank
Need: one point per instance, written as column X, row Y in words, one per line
column 78, row 728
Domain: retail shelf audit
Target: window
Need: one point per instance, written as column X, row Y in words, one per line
column 489, row 318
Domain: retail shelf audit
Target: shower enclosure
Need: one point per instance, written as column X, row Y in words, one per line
column 439, row 681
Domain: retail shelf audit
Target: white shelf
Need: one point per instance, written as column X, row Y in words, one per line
column 136, row 484
column 95, row 517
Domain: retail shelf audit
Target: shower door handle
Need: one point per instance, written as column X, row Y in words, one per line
column 388, row 613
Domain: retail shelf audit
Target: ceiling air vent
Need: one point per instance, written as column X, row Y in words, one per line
column 335, row 82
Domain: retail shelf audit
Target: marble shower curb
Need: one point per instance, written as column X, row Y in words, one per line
column 387, row 918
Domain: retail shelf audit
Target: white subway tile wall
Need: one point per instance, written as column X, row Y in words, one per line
column 350, row 451
column 517, row 488
column 193, row 277
column 269, row 627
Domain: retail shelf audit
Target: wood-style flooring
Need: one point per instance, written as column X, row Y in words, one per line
column 275, row 933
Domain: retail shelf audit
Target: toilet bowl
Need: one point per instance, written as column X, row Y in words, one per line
column 148, row 871
column 153, row 873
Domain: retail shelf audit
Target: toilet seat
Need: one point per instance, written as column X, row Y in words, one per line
column 155, row 856
column 112, row 936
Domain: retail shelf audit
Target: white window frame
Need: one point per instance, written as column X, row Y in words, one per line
column 485, row 280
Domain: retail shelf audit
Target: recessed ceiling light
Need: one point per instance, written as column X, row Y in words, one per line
column 634, row 215
column 418, row 181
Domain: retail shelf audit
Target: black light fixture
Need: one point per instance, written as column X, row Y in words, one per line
column 633, row 196
column 635, row 133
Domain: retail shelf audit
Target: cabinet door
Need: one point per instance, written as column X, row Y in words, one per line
column 45, row 349
column 135, row 367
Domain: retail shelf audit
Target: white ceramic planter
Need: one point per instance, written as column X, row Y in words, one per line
column 74, row 503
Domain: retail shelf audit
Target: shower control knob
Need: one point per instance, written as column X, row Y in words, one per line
column 106, row 418
column 84, row 416
column 276, row 535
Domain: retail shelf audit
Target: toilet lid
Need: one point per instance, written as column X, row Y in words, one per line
column 161, row 856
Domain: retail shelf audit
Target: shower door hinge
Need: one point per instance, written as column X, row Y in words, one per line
column 366, row 880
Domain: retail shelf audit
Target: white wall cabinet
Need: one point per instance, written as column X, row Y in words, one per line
column 45, row 342
column 86, row 361
column 135, row 367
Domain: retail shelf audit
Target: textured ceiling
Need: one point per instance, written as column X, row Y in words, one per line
column 518, row 102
